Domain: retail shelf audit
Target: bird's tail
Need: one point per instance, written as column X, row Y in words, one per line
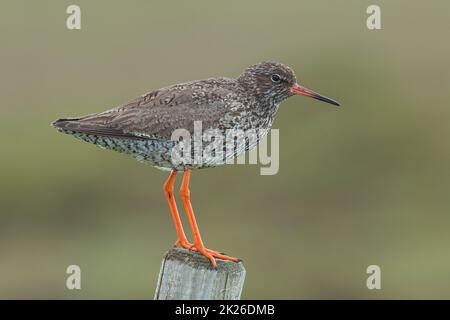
column 82, row 125
column 66, row 124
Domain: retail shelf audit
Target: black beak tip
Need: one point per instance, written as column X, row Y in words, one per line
column 331, row 101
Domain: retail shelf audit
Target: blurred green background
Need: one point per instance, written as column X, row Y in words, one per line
column 365, row 184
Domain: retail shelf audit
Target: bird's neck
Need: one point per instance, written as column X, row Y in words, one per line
column 264, row 106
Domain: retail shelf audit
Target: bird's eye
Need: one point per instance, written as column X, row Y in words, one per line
column 275, row 78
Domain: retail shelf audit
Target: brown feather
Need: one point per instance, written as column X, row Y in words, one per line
column 158, row 113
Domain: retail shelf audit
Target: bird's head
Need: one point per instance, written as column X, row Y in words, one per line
column 273, row 81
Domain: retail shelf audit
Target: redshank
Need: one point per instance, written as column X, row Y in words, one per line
column 144, row 126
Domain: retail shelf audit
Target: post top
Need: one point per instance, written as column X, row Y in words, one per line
column 198, row 261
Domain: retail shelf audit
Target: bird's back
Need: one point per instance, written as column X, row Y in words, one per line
column 144, row 126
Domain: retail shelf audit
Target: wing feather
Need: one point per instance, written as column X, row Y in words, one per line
column 158, row 113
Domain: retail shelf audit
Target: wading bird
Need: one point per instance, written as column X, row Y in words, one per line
column 143, row 127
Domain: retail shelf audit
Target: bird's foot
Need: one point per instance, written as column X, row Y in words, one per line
column 212, row 254
column 208, row 253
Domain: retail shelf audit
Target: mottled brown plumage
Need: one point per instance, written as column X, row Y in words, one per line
column 144, row 126
column 157, row 113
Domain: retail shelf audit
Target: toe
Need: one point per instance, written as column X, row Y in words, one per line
column 210, row 257
column 224, row 257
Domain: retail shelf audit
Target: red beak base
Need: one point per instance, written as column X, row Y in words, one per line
column 302, row 91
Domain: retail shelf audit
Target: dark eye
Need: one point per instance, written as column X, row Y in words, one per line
column 275, row 78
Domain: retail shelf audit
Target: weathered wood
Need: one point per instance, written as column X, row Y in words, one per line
column 188, row 275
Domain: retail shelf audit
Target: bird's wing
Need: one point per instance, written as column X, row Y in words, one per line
column 156, row 114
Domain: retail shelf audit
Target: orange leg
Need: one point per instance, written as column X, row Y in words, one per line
column 168, row 191
column 198, row 243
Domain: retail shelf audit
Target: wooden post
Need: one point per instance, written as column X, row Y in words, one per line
column 188, row 275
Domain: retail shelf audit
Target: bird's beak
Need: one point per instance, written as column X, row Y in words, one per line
column 302, row 91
